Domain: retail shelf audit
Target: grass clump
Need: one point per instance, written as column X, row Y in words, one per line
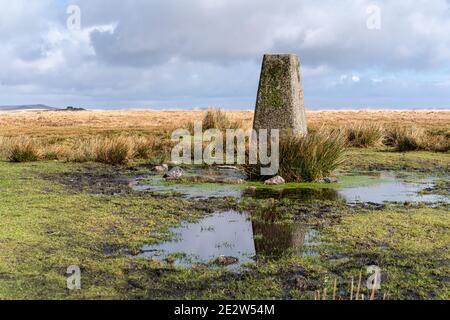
column 143, row 147
column 4, row 147
column 216, row 119
column 311, row 157
column 54, row 152
column 412, row 139
column 405, row 139
column 115, row 151
column 364, row 135
column 307, row 158
column 109, row 150
column 437, row 143
column 23, row 150
column 119, row 150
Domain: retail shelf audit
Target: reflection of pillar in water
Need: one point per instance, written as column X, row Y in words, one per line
column 298, row 232
column 274, row 240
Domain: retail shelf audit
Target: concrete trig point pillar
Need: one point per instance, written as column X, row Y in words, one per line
column 280, row 103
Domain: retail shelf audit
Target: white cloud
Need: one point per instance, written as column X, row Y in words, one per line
column 197, row 51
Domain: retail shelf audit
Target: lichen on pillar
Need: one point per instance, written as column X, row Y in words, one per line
column 280, row 102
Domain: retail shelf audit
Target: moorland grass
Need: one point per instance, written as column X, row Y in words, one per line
column 50, row 136
column 307, row 158
column 364, row 135
column 23, row 149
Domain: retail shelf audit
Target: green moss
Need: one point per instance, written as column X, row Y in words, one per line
column 272, row 85
column 410, row 246
column 440, row 187
column 374, row 159
column 47, row 226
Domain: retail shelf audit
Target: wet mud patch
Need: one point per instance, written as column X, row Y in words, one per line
column 300, row 194
column 196, row 282
column 440, row 187
column 98, row 180
column 276, row 235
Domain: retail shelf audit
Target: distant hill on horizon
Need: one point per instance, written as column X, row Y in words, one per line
column 26, row 107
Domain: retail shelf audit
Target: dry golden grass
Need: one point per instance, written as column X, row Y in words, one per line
column 46, row 124
column 75, row 124
column 82, row 135
column 364, row 135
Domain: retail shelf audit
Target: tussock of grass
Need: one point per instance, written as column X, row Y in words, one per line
column 109, row 150
column 364, row 135
column 121, row 149
column 404, row 139
column 437, row 143
column 4, row 147
column 307, row 158
column 311, row 157
column 115, row 151
column 409, row 141
column 23, row 150
column 143, row 147
column 216, row 119
column 54, row 152
column 412, row 139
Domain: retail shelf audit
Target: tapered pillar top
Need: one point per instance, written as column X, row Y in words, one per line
column 280, row 102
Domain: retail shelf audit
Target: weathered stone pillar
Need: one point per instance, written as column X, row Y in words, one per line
column 280, row 103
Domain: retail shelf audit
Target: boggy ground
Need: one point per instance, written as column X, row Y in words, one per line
column 57, row 214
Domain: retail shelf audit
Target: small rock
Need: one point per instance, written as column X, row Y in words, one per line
column 252, row 188
column 170, row 259
column 159, row 169
column 275, row 181
column 226, row 260
column 134, row 251
column 227, row 168
column 175, row 173
column 328, row 180
column 165, row 166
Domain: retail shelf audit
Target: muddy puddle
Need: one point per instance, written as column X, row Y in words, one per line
column 158, row 184
column 191, row 191
column 235, row 236
column 380, row 188
column 390, row 188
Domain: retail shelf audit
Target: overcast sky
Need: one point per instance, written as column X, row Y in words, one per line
column 198, row 53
